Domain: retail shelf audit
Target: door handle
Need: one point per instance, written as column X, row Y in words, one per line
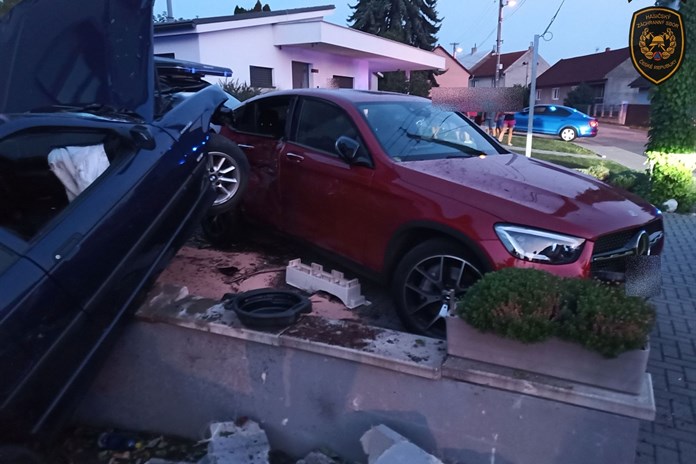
column 68, row 248
column 294, row 157
column 243, row 145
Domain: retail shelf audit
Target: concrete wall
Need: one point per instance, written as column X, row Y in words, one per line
column 176, row 380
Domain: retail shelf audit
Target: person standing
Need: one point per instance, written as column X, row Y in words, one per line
column 508, row 126
column 499, row 122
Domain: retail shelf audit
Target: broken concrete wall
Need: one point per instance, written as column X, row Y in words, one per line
column 177, row 380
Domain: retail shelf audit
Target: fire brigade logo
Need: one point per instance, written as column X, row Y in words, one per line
column 657, row 43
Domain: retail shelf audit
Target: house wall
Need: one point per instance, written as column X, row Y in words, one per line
column 455, row 76
column 547, row 95
column 222, row 48
column 485, row 82
column 519, row 73
column 617, row 91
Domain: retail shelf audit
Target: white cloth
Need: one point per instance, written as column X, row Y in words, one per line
column 78, row 167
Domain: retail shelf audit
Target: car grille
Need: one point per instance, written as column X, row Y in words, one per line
column 616, row 242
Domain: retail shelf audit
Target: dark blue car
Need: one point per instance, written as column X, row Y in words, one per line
column 563, row 121
column 104, row 171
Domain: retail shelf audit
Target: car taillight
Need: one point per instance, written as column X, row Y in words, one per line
column 594, row 123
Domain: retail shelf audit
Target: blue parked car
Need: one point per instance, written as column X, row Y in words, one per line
column 563, row 121
column 106, row 166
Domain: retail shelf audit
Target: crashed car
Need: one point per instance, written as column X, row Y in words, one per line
column 420, row 198
column 103, row 175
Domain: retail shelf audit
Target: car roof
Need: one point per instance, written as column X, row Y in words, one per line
column 351, row 96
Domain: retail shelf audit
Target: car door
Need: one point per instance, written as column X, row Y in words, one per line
column 259, row 130
column 100, row 249
column 556, row 119
column 324, row 199
column 43, row 332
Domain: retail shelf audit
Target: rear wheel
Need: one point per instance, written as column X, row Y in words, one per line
column 429, row 280
column 568, row 134
column 228, row 169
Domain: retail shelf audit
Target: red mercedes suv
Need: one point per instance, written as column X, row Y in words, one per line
column 419, row 197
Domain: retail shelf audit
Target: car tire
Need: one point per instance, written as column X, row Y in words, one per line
column 222, row 230
column 568, row 134
column 431, row 275
column 228, row 168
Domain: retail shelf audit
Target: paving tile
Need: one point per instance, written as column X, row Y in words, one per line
column 671, row 439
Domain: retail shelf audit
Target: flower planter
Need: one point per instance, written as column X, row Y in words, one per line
column 553, row 358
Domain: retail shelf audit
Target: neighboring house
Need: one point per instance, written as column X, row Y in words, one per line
column 516, row 69
column 290, row 49
column 609, row 73
column 455, row 74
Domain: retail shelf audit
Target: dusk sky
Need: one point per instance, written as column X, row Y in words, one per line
column 582, row 26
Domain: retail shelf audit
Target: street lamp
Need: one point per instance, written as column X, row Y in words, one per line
column 501, row 5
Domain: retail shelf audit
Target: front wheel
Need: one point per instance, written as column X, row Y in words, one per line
column 228, row 169
column 568, row 134
column 428, row 282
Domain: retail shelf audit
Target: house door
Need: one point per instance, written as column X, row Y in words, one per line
column 300, row 75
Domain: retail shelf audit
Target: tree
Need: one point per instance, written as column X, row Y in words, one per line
column 413, row 22
column 673, row 103
column 580, row 97
column 256, row 9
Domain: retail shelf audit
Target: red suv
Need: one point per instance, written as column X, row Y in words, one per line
column 419, row 197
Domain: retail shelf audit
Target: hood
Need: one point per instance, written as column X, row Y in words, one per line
column 530, row 192
column 77, row 53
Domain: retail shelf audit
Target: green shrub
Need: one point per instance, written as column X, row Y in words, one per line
column 603, row 318
column 240, row 90
column 632, row 181
column 670, row 178
column 598, row 171
column 516, row 303
column 531, row 305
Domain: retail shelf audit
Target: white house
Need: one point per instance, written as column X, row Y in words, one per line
column 515, row 69
column 288, row 49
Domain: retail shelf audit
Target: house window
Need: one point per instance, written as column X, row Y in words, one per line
column 342, row 82
column 538, row 94
column 554, row 93
column 261, row 77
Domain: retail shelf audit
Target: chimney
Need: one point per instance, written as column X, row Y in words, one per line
column 474, row 49
column 607, row 49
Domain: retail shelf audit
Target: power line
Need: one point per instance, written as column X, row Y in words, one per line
column 478, row 20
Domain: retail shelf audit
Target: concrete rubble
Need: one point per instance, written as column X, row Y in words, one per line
column 244, row 442
column 384, row 446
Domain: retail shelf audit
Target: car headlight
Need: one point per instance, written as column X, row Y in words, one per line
column 538, row 245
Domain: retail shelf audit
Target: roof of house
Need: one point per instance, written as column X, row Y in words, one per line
column 641, row 83
column 586, row 68
column 192, row 23
column 486, row 67
column 453, row 58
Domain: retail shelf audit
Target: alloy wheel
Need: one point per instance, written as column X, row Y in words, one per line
column 224, row 174
column 432, row 288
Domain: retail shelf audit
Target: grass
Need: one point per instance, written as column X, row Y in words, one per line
column 542, row 143
column 580, row 162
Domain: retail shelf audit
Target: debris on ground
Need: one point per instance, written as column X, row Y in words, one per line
column 384, row 446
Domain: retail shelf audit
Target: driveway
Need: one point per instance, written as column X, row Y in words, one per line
column 622, row 144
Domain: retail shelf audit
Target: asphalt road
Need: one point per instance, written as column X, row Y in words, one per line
column 622, row 144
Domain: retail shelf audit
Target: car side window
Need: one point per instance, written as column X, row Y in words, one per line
column 266, row 116
column 322, row 123
column 561, row 113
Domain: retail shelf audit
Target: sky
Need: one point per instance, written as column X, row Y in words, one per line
column 582, row 26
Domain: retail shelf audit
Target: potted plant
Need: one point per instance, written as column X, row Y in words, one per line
column 572, row 329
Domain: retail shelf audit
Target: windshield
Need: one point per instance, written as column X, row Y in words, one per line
column 419, row 130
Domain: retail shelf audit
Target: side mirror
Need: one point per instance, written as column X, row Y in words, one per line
column 142, row 137
column 347, row 148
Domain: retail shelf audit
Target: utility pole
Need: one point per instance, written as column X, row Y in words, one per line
column 170, row 13
column 454, row 48
column 496, row 77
